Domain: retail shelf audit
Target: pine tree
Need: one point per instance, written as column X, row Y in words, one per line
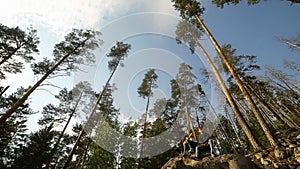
column 106, row 126
column 244, row 66
column 129, row 148
column 117, row 53
column 36, row 153
column 145, row 91
column 189, row 95
column 13, row 133
column 191, row 11
column 64, row 112
column 16, row 47
column 76, row 49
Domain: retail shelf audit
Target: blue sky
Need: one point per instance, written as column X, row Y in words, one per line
column 254, row 29
column 251, row 30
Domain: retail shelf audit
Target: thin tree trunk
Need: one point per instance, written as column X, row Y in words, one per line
column 222, row 128
column 285, row 113
column 188, row 115
column 288, row 109
column 234, row 128
column 230, row 99
column 192, row 126
column 271, row 109
column 188, row 120
column 245, row 112
column 21, row 101
column 4, row 90
column 5, row 59
column 197, row 118
column 85, row 154
column 283, row 117
column 63, row 131
column 289, row 87
column 278, row 84
column 145, row 125
column 230, row 141
column 291, row 44
column 267, row 118
column 88, row 120
column 240, row 85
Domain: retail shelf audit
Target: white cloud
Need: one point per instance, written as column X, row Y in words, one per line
column 61, row 16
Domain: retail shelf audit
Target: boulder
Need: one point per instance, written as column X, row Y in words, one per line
column 176, row 162
column 241, row 162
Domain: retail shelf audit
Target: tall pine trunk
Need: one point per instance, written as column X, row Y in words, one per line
column 233, row 105
column 63, row 131
column 247, row 96
column 145, row 124
column 188, row 115
column 69, row 158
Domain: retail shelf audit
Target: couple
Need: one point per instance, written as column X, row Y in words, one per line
column 189, row 144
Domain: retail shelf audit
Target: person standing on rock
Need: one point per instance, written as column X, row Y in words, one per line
column 189, row 144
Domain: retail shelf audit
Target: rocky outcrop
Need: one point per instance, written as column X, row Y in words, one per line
column 228, row 161
column 286, row 156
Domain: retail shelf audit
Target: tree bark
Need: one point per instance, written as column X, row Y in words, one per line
column 145, row 125
column 233, row 105
column 240, row 85
column 83, row 159
column 272, row 110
